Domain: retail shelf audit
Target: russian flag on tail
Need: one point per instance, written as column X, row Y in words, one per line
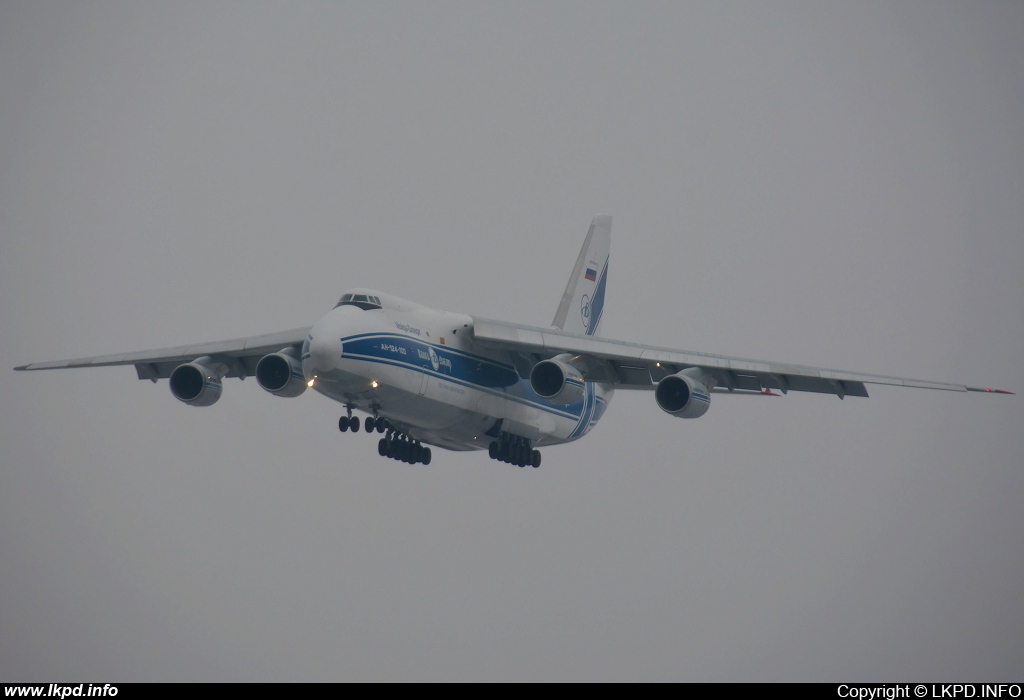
column 591, row 274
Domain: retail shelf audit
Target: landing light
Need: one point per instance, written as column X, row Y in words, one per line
column 310, row 382
column 374, row 384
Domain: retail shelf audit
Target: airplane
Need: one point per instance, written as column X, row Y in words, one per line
column 427, row 377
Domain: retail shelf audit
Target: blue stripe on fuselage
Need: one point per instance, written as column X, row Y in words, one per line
column 585, row 415
column 459, row 367
column 437, row 359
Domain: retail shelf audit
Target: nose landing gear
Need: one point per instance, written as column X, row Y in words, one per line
column 348, row 422
column 375, row 422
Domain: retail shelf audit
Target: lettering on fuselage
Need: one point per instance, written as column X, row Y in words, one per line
column 403, row 351
column 436, row 361
column 407, row 328
column 445, row 386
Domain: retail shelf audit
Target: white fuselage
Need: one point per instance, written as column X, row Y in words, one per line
column 420, row 369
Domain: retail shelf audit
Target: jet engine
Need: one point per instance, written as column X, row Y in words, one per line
column 557, row 381
column 280, row 373
column 197, row 383
column 684, row 395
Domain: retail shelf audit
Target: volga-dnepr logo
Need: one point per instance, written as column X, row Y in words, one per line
column 585, row 311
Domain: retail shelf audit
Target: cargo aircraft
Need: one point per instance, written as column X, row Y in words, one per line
column 427, row 377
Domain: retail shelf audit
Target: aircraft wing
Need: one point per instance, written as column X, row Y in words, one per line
column 635, row 366
column 240, row 355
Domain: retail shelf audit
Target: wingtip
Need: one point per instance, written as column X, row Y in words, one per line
column 21, row 369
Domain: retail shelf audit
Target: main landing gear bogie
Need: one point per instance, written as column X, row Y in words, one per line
column 399, row 446
column 513, row 449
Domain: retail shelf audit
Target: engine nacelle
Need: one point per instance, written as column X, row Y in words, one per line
column 684, row 395
column 557, row 381
column 197, row 383
column 280, row 373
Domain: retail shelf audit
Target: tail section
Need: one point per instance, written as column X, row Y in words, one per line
column 583, row 301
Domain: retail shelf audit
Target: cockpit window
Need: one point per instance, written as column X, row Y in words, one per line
column 363, row 301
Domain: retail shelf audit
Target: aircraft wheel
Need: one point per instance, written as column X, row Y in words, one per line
column 535, row 459
column 382, row 447
column 369, row 424
column 492, row 449
column 426, row 456
column 343, row 424
column 353, row 424
column 382, row 425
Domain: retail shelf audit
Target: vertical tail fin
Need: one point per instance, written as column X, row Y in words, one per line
column 583, row 301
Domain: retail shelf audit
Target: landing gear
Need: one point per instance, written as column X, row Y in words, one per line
column 396, row 444
column 514, row 449
column 348, row 422
column 375, row 422
column 399, row 446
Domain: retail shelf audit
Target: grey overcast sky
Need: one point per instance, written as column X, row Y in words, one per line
column 836, row 184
